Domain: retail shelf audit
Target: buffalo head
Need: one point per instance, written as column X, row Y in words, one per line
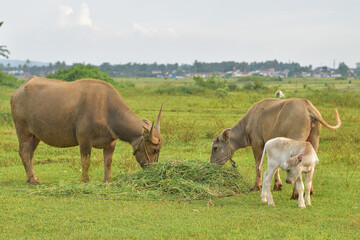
column 220, row 149
column 148, row 146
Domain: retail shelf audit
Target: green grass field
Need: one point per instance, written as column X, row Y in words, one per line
column 189, row 122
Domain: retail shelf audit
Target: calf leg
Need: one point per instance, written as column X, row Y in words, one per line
column 295, row 192
column 312, row 177
column 277, row 181
column 300, row 188
column 85, row 151
column 108, row 154
column 266, row 195
column 264, row 188
column 308, row 185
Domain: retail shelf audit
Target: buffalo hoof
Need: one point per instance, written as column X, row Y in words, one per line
column 85, row 179
column 278, row 187
column 294, row 196
column 107, row 180
column 33, row 181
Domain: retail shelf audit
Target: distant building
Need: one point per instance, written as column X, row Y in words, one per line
column 156, row 72
column 302, row 74
column 238, row 74
column 203, row 74
column 351, row 73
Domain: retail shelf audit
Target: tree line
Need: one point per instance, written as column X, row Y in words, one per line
column 155, row 69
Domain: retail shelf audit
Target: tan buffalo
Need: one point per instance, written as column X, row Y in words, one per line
column 89, row 113
column 270, row 118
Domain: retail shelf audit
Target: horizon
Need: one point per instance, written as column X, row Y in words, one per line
column 40, row 63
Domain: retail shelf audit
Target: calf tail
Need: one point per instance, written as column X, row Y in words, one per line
column 262, row 157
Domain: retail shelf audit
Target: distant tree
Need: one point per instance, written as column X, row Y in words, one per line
column 343, row 69
column 59, row 65
column 81, row 71
column 106, row 67
column 3, row 51
column 26, row 66
column 212, row 82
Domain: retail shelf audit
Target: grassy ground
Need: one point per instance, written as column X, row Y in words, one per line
column 188, row 125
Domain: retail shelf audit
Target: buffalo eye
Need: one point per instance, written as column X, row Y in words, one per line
column 215, row 148
column 155, row 151
column 288, row 171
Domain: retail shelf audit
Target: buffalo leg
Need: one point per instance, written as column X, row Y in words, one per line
column 27, row 146
column 33, row 145
column 108, row 154
column 85, row 151
column 257, row 151
column 277, row 180
column 314, row 140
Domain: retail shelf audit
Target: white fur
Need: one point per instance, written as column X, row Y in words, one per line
column 278, row 151
column 279, row 94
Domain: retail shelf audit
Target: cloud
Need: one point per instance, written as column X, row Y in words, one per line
column 84, row 16
column 66, row 10
column 151, row 31
column 68, row 16
column 64, row 17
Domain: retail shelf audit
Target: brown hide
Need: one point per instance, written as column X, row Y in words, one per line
column 292, row 118
column 89, row 113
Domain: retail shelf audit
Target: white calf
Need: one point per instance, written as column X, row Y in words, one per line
column 294, row 157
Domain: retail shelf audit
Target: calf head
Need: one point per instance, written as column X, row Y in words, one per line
column 148, row 147
column 293, row 168
column 220, row 148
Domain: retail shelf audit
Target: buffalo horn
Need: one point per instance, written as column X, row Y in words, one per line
column 157, row 126
column 151, row 129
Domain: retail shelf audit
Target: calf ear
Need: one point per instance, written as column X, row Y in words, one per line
column 299, row 158
column 225, row 134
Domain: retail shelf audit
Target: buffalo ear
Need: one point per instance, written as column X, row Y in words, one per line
column 146, row 130
column 225, row 134
column 299, row 158
column 152, row 138
column 146, row 127
column 147, row 122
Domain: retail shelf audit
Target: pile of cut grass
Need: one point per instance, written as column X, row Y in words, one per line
column 172, row 180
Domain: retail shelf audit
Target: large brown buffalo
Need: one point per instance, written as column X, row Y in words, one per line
column 89, row 113
column 292, row 118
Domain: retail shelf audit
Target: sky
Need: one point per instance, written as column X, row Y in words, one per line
column 316, row 32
